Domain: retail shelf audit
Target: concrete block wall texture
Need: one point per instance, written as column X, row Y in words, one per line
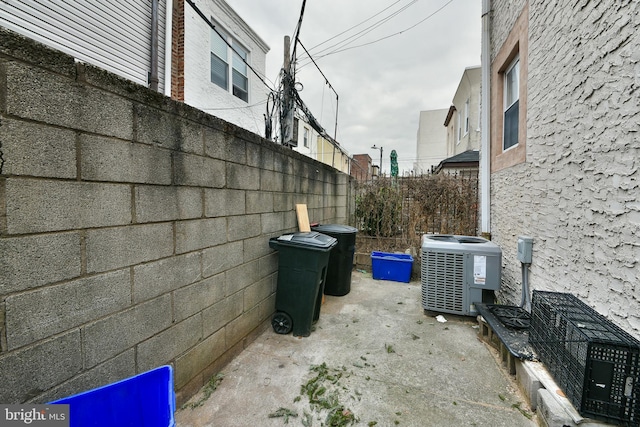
column 577, row 192
column 133, row 229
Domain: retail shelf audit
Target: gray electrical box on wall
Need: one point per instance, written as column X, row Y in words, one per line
column 525, row 249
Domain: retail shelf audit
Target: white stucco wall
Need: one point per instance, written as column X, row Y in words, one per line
column 431, row 146
column 577, row 192
column 199, row 91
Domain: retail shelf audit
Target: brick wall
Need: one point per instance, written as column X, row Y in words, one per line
column 133, row 229
column 576, row 194
column 177, row 51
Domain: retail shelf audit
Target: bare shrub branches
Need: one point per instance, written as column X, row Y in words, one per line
column 397, row 212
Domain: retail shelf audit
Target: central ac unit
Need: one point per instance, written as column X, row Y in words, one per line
column 457, row 272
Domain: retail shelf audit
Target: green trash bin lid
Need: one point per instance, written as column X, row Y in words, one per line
column 310, row 240
column 333, row 229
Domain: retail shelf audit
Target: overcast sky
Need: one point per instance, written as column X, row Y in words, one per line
column 382, row 86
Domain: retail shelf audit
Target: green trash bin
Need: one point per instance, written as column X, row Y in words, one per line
column 338, row 281
column 302, row 268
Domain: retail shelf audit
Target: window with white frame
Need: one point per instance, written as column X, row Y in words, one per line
column 459, row 127
column 305, row 137
column 511, row 104
column 466, row 117
column 233, row 79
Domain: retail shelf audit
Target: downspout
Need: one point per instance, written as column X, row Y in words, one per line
column 485, row 144
column 153, row 74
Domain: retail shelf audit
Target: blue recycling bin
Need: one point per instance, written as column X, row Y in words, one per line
column 144, row 400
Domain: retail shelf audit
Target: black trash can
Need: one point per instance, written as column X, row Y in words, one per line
column 338, row 281
column 302, row 268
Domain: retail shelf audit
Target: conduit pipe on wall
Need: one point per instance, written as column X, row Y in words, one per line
column 525, row 302
column 153, row 74
column 485, row 145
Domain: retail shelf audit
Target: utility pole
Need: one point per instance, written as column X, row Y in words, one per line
column 288, row 87
column 378, row 148
column 288, row 103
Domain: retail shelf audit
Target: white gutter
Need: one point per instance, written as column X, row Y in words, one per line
column 485, row 144
column 168, row 31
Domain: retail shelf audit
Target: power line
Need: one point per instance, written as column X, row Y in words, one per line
column 355, row 26
column 297, row 34
column 329, row 84
column 382, row 38
column 235, row 108
column 370, row 28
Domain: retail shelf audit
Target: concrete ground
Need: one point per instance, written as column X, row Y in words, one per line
column 374, row 358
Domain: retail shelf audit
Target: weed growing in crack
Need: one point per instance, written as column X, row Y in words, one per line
column 207, row 390
column 522, row 411
column 284, row 413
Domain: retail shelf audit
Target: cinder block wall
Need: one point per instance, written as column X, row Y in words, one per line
column 577, row 192
column 133, row 229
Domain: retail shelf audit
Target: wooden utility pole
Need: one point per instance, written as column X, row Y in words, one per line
column 288, row 86
column 286, row 122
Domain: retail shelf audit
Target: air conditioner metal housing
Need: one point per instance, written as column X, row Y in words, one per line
column 457, row 272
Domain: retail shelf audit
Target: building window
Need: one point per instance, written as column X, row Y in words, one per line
column 221, row 56
column 240, row 79
column 508, row 114
column 305, row 137
column 511, row 104
column 466, row 117
column 459, row 130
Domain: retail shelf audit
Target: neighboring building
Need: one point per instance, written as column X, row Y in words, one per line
column 362, row 167
column 564, row 149
column 322, row 148
column 209, row 68
column 445, row 133
column 306, row 137
column 118, row 36
column 330, row 153
column 463, row 164
column 172, row 50
column 431, row 144
column 463, row 117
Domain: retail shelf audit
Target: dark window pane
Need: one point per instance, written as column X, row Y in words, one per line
column 240, row 86
column 219, row 70
column 511, row 118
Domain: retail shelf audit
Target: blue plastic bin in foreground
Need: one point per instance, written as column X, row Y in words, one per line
column 388, row 266
column 144, row 400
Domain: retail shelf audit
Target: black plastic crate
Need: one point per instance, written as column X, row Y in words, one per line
column 593, row 361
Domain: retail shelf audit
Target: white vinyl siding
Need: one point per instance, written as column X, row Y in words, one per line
column 114, row 35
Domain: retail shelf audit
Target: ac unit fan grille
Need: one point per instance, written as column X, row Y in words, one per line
column 443, row 282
